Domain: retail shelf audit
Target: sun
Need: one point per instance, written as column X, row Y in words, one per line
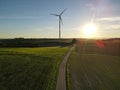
column 89, row 30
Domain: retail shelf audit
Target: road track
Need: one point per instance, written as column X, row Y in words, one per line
column 61, row 81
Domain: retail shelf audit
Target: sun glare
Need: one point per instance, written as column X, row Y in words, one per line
column 89, row 30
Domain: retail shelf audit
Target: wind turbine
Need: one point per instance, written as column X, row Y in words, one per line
column 60, row 21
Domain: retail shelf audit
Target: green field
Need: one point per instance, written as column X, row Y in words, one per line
column 89, row 69
column 30, row 68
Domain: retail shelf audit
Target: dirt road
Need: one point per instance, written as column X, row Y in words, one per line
column 61, row 81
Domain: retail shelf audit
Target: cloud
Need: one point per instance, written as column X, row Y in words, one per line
column 113, row 27
column 91, row 6
column 17, row 17
column 50, row 28
column 77, row 28
column 44, row 29
column 109, row 23
column 109, row 19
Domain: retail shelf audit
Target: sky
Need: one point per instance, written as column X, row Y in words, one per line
column 32, row 19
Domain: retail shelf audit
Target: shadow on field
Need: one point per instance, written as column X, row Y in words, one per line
column 21, row 42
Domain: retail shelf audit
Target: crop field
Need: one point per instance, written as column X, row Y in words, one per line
column 91, row 67
column 30, row 68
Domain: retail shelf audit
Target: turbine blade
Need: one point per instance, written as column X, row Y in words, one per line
column 61, row 20
column 54, row 14
column 63, row 11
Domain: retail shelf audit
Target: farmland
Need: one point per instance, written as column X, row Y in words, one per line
column 94, row 67
column 30, row 68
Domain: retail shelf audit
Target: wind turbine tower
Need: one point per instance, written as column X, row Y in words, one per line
column 60, row 21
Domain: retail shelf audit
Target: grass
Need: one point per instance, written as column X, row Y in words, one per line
column 91, row 70
column 30, row 68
